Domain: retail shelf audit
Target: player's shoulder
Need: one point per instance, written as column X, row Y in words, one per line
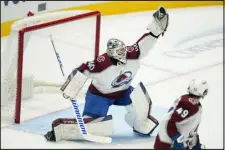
column 133, row 51
column 101, row 63
column 188, row 102
column 103, row 60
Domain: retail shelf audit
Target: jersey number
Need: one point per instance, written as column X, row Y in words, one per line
column 182, row 112
column 91, row 65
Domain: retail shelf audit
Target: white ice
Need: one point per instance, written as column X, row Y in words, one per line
column 199, row 29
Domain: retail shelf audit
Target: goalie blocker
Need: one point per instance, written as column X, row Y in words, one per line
column 138, row 114
column 74, row 82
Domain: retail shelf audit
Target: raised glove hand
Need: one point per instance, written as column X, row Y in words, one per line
column 160, row 22
column 176, row 143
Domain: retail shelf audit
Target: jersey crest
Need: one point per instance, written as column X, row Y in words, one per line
column 122, row 79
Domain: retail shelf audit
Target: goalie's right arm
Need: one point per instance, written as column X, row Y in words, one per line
column 73, row 84
column 78, row 76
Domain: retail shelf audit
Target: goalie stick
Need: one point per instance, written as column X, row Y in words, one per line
column 57, row 56
column 80, row 121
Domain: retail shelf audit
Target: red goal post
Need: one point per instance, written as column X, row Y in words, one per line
column 36, row 23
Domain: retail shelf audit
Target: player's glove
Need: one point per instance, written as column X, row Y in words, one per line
column 160, row 22
column 195, row 143
column 199, row 146
column 176, row 143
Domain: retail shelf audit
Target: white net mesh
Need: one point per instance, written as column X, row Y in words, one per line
column 75, row 42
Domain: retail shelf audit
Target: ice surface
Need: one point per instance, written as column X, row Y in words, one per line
column 191, row 48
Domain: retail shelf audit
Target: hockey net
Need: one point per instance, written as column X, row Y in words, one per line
column 29, row 64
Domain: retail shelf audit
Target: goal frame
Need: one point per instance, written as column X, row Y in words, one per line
column 21, row 33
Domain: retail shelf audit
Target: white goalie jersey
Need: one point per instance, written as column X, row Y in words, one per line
column 112, row 80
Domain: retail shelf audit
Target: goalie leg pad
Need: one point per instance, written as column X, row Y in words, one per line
column 138, row 113
column 68, row 129
column 145, row 126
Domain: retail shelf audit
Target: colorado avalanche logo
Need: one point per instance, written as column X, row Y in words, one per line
column 124, row 78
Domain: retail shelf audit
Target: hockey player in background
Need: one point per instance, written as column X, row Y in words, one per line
column 111, row 74
column 178, row 130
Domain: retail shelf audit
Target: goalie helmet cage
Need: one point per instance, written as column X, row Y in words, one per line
column 39, row 22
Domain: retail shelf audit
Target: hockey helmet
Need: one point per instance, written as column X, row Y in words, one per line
column 198, row 87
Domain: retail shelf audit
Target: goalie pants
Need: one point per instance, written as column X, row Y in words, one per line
column 97, row 106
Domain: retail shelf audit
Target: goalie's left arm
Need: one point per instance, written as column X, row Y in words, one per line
column 156, row 27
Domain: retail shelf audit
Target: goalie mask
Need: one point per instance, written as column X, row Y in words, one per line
column 117, row 50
